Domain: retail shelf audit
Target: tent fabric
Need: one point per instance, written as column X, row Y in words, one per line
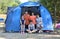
column 47, row 19
column 13, row 20
column 29, row 4
column 13, row 17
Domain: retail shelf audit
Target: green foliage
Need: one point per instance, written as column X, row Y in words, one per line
column 5, row 3
column 52, row 5
column 34, row 0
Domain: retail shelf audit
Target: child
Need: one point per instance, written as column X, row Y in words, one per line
column 22, row 25
column 31, row 27
column 39, row 23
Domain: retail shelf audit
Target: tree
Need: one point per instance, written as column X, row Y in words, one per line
column 34, row 0
column 5, row 3
column 53, row 6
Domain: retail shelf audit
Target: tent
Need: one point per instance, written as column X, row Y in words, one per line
column 12, row 22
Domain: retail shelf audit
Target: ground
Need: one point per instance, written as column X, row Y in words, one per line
column 4, row 35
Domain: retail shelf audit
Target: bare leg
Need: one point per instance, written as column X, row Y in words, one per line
column 29, row 31
column 22, row 28
column 34, row 31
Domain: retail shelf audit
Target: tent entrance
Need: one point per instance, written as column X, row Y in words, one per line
column 31, row 9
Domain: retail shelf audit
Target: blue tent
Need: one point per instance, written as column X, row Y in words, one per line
column 13, row 17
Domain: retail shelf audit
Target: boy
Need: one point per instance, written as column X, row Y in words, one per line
column 31, row 27
column 39, row 23
column 33, row 18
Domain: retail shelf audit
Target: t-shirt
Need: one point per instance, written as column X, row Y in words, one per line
column 33, row 18
column 26, row 18
column 38, row 20
column 31, row 27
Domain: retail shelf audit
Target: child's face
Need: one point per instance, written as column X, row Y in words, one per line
column 31, row 23
column 26, row 12
column 32, row 13
column 37, row 15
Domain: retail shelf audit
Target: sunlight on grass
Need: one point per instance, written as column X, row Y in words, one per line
column 2, row 38
column 30, row 38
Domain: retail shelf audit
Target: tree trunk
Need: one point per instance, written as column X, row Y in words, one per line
column 55, row 16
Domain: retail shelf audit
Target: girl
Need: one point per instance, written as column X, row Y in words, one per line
column 22, row 25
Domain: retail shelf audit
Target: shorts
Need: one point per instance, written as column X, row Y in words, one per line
column 32, row 28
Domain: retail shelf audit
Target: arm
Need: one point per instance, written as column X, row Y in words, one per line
column 24, row 21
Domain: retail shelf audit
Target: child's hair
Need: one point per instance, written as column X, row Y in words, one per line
column 30, row 20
